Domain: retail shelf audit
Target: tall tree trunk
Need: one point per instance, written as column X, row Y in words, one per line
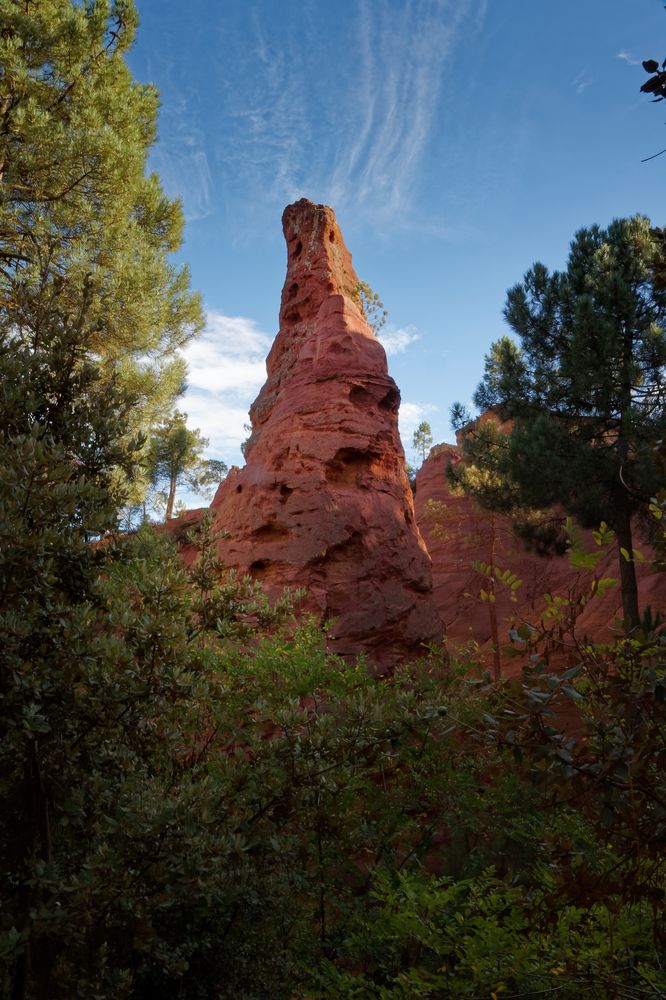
column 628, row 582
column 171, row 499
column 34, row 966
column 492, row 607
column 5, row 105
column 621, row 499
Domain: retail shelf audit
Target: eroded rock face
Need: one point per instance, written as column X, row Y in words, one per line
column 323, row 501
column 459, row 533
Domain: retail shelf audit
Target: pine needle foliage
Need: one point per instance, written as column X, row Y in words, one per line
column 585, row 390
column 80, row 219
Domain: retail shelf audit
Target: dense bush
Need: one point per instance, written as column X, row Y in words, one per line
column 267, row 821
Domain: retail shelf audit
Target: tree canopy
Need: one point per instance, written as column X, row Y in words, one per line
column 91, row 313
column 370, row 305
column 175, row 459
column 81, row 222
column 422, row 439
column 584, row 391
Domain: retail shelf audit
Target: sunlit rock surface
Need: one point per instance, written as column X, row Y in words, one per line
column 323, row 502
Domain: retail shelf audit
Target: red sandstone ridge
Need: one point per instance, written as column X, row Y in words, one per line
column 323, row 501
column 458, row 532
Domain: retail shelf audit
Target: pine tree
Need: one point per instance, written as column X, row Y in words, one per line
column 422, row 439
column 370, row 305
column 585, row 391
column 79, row 217
column 175, row 458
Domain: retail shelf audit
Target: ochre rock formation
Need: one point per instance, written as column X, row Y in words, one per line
column 458, row 532
column 323, row 502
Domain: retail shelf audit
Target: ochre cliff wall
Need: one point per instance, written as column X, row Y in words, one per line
column 458, row 532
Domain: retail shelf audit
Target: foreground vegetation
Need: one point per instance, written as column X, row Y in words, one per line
column 198, row 800
column 188, row 817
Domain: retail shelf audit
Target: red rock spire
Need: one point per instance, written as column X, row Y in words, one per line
column 324, row 502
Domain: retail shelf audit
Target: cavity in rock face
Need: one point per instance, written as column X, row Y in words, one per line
column 323, row 501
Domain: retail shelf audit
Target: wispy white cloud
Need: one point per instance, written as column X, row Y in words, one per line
column 344, row 115
column 267, row 108
column 628, row 58
column 226, row 370
column 582, row 82
column 481, row 11
column 182, row 162
column 410, row 416
column 396, row 340
column 403, row 54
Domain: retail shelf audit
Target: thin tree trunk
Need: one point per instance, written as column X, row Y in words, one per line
column 34, row 966
column 21, row 971
column 4, row 113
column 628, row 582
column 42, row 957
column 492, row 607
column 622, row 524
column 172, row 498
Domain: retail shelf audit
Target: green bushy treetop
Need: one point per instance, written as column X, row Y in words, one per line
column 175, row 459
column 422, row 440
column 584, row 390
column 80, row 219
column 370, row 305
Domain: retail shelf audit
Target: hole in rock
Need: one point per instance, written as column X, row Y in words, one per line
column 259, row 564
column 408, row 516
column 360, row 396
column 239, row 489
column 331, row 236
column 271, row 532
column 285, row 491
column 391, row 401
column 293, row 316
column 347, row 465
column 297, row 249
column 293, row 289
column 348, row 551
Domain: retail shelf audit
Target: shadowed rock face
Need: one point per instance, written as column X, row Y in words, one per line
column 323, row 501
column 459, row 533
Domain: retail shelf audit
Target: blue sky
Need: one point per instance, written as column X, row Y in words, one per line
column 457, row 141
